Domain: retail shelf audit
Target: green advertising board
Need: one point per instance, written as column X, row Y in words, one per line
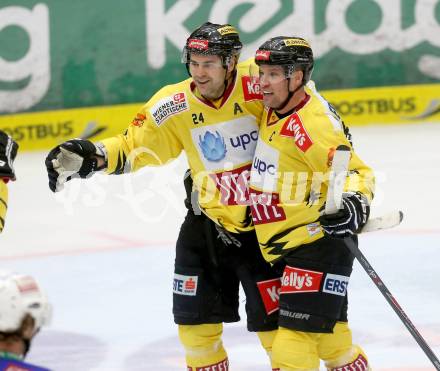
column 58, row 54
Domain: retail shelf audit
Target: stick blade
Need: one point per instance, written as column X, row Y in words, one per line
column 389, row 220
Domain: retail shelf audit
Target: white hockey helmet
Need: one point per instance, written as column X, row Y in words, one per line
column 20, row 295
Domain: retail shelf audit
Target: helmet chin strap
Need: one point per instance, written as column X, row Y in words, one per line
column 289, row 95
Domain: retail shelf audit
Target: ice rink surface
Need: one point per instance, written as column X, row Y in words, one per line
column 104, row 249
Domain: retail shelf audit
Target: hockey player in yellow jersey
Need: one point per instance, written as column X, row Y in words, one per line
column 8, row 152
column 298, row 136
column 213, row 116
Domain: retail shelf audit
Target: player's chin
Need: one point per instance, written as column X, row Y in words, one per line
column 268, row 100
column 204, row 89
column 210, row 93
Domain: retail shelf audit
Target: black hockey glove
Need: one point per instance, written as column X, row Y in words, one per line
column 191, row 200
column 188, row 184
column 72, row 159
column 350, row 219
column 8, row 152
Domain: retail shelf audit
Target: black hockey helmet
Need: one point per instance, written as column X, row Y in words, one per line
column 292, row 53
column 213, row 39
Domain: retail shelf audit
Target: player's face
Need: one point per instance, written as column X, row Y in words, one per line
column 274, row 85
column 208, row 75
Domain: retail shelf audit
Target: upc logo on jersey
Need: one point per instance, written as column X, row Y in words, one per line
column 262, row 166
column 270, row 293
column 296, row 280
column 227, row 144
column 243, row 140
column 265, row 164
column 185, row 285
column 168, row 107
column 213, row 146
column 251, row 88
column 294, row 128
column 335, row 284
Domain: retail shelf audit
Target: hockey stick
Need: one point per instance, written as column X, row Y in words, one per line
column 340, row 164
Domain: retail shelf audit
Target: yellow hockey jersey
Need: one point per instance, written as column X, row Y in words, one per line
column 3, row 203
column 219, row 143
column 290, row 174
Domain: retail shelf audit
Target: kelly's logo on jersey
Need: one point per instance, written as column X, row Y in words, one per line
column 335, row 284
column 296, row 280
column 270, row 293
column 185, row 285
column 251, row 88
column 213, row 146
column 168, row 107
column 294, row 128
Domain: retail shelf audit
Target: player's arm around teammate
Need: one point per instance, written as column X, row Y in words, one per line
column 298, row 135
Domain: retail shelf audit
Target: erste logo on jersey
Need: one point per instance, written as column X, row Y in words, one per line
column 294, row 128
column 185, row 285
column 251, row 88
column 335, row 284
column 265, row 208
column 296, row 280
column 233, row 185
column 270, row 293
column 168, row 107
